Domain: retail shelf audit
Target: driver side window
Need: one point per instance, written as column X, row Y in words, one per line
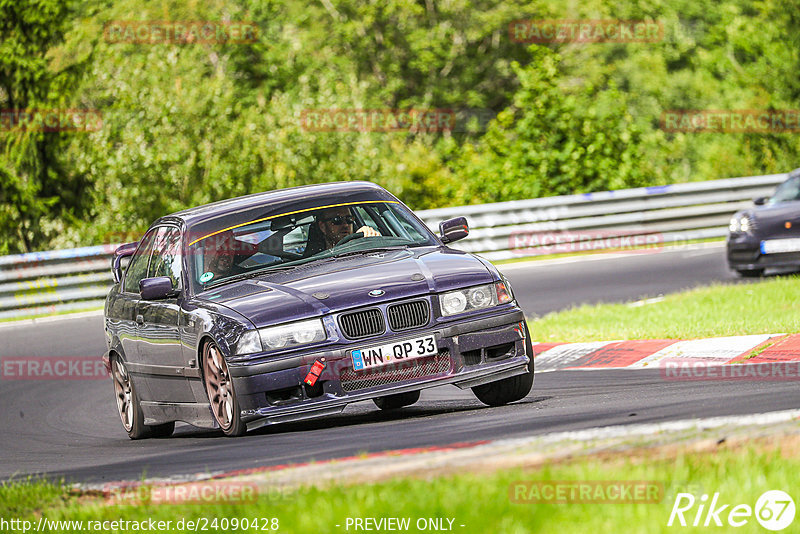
column 166, row 259
column 137, row 268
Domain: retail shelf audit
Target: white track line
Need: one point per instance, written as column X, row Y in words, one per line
column 525, row 264
column 51, row 318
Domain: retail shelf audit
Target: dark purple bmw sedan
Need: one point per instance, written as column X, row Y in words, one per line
column 291, row 304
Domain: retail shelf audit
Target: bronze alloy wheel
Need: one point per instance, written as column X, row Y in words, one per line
column 130, row 411
column 122, row 388
column 219, row 387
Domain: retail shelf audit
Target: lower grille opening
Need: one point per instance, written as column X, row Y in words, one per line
column 780, row 257
column 744, row 256
column 417, row 368
column 283, row 396
column 498, row 352
column 315, row 390
column 472, row 357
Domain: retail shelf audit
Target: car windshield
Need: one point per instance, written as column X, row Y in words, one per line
column 285, row 241
column 787, row 191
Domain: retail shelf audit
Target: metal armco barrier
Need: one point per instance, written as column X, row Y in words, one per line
column 657, row 215
column 54, row 281
column 79, row 278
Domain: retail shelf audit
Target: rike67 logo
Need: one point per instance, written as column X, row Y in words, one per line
column 774, row 510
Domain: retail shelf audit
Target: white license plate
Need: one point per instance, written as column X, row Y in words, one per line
column 777, row 246
column 390, row 353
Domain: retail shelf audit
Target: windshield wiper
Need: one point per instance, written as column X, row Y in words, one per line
column 249, row 274
column 369, row 250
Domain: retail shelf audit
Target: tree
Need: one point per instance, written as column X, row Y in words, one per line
column 555, row 139
column 36, row 189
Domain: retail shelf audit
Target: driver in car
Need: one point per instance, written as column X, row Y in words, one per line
column 337, row 223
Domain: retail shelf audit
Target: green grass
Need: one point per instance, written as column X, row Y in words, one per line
column 480, row 502
column 20, row 498
column 763, row 307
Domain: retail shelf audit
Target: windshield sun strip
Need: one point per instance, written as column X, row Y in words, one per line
column 292, row 213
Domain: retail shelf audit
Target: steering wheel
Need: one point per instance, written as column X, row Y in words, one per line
column 348, row 238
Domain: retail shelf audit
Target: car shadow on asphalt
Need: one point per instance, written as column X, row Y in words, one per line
column 364, row 415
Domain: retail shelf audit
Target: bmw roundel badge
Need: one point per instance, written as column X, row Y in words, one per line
column 376, row 293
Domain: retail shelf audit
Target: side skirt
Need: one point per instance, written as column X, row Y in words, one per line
column 196, row 414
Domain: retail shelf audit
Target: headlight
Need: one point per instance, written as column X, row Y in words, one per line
column 249, row 343
column 453, row 302
column 744, row 223
column 739, row 224
column 292, row 334
column 474, row 298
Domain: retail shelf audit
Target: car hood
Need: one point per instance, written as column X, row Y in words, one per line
column 343, row 283
column 770, row 221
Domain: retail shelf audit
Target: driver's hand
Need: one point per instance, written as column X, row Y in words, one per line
column 368, row 231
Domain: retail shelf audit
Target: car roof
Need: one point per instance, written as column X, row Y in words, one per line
column 258, row 205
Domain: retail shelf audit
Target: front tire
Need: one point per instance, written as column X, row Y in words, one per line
column 508, row 389
column 221, row 396
column 394, row 402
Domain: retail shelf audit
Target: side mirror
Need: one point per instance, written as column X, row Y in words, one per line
column 156, row 288
column 123, row 251
column 454, row 229
column 760, row 201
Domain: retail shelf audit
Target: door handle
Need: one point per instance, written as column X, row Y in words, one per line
column 139, row 319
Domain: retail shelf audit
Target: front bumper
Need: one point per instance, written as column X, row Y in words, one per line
column 471, row 353
column 744, row 254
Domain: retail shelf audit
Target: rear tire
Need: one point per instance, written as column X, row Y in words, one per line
column 393, row 402
column 128, row 407
column 750, row 273
column 508, row 389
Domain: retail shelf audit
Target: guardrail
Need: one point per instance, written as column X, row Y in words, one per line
column 79, row 278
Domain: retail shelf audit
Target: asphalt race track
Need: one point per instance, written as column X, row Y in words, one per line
column 71, row 428
column 559, row 284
